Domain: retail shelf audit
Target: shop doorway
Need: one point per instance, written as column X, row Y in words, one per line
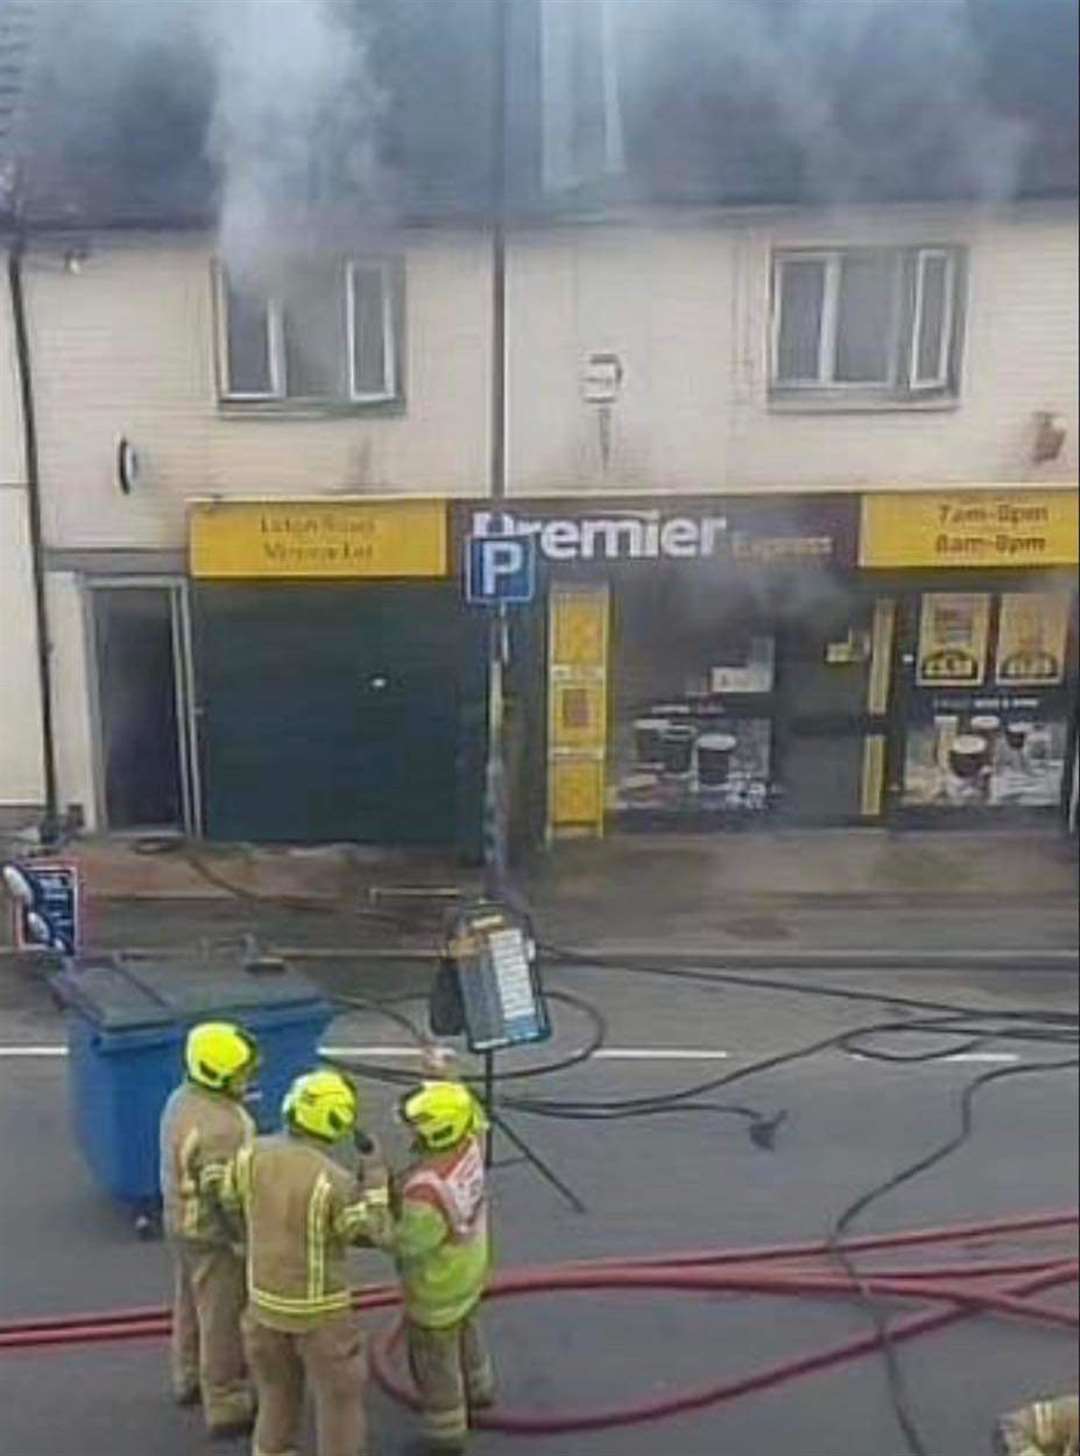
column 738, row 702
column 146, row 773
column 832, row 698
column 692, row 743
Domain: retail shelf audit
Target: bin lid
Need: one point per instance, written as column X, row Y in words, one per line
column 121, row 993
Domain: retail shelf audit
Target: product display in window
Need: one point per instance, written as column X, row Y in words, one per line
column 691, row 757
column 986, row 752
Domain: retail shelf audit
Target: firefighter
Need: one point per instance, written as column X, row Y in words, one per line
column 203, row 1123
column 301, row 1210
column 443, row 1257
column 1045, row 1428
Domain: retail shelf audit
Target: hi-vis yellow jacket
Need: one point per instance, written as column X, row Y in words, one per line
column 199, row 1128
column 1045, row 1428
column 301, row 1211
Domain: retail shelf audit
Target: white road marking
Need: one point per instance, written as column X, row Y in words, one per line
column 605, row 1054
column 661, row 1054
column 385, row 1052
column 33, row 1051
column 957, row 1057
column 984, row 1057
column 372, row 1052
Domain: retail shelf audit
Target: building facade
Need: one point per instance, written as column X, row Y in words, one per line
column 803, row 485
column 896, row 387
column 159, row 384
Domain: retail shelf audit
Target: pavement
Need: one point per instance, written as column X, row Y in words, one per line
column 801, row 892
column 677, row 1182
column 749, row 897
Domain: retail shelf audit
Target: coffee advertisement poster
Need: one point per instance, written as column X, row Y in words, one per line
column 954, row 631
column 1032, row 638
column 986, row 751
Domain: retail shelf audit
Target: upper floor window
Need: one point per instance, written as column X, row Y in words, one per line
column 327, row 334
column 581, row 133
column 877, row 322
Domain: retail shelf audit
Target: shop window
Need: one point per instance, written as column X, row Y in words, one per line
column 987, row 715
column 325, row 334
column 872, row 324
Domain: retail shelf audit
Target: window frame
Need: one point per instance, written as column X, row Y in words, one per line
column 903, row 385
column 941, row 380
column 277, row 398
column 390, row 370
column 275, row 343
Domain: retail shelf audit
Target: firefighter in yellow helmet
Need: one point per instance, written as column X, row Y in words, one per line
column 444, row 1258
column 203, row 1123
column 1045, row 1428
column 301, row 1210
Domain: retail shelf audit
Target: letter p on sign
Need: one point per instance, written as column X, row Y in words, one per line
column 500, row 570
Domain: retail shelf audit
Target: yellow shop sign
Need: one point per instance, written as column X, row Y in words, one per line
column 969, row 528
column 282, row 539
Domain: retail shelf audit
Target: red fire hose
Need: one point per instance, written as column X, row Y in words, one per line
column 787, row 1270
column 1003, row 1286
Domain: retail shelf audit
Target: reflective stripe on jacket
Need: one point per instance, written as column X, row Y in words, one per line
column 301, row 1211
column 441, row 1238
column 199, row 1128
column 1045, row 1428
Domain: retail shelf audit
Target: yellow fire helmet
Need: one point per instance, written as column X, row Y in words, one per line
column 322, row 1104
column 443, row 1114
column 220, row 1056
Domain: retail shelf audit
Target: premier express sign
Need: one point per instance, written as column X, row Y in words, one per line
column 821, row 530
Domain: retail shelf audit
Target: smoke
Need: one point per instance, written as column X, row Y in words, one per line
column 117, row 97
column 829, row 100
column 264, row 109
column 294, row 127
column 306, row 122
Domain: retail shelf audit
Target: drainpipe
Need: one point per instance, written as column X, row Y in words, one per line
column 50, row 826
column 496, row 788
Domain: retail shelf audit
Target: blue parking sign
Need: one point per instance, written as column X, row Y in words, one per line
column 500, row 570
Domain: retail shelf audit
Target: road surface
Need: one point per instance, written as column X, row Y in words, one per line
column 662, row 1184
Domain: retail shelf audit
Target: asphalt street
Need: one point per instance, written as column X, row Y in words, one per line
column 686, row 1180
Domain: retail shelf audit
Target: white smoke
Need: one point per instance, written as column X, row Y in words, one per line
column 294, row 126
column 127, row 87
column 733, row 100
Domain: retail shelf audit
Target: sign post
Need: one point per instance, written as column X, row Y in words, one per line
column 500, row 571
column 491, row 990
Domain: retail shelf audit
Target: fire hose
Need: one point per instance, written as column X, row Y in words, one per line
column 975, row 1282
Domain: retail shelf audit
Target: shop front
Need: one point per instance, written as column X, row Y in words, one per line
column 982, row 728
column 689, row 663
column 340, row 681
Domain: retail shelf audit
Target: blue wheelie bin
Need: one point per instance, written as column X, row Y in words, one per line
column 127, row 1022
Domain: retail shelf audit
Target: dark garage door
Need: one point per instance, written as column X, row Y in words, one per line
column 338, row 712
